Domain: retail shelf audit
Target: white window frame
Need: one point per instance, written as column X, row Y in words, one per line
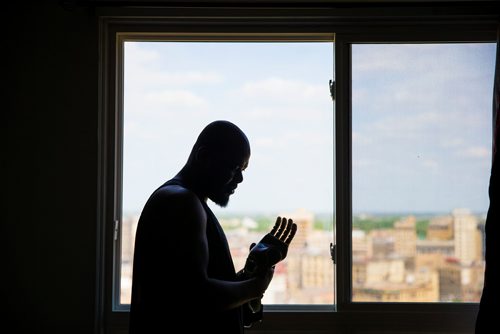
column 350, row 26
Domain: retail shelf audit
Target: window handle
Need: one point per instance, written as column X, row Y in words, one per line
column 115, row 230
column 331, row 85
column 333, row 252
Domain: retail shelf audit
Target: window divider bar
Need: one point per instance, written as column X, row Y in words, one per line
column 343, row 171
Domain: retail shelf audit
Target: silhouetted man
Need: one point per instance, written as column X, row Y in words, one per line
column 184, row 275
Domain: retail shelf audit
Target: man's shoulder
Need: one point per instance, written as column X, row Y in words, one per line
column 175, row 193
column 172, row 201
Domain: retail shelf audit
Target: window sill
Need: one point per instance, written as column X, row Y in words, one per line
column 409, row 319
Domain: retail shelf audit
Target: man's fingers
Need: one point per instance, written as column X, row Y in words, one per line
column 288, row 228
column 293, row 230
column 281, row 228
column 284, row 230
column 275, row 227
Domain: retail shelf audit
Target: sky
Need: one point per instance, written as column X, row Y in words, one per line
column 421, row 122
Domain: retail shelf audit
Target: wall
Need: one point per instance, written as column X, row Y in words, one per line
column 51, row 124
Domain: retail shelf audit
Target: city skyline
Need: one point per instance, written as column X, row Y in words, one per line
column 393, row 263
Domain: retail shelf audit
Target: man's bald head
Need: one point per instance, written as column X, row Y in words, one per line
column 222, row 138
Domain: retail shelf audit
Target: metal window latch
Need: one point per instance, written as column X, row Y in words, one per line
column 115, row 230
column 331, row 84
column 333, row 252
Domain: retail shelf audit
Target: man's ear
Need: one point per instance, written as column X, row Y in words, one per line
column 202, row 156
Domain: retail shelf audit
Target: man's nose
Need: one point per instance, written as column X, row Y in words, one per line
column 239, row 176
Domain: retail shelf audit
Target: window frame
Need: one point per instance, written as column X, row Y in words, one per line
column 350, row 26
column 344, row 179
column 123, row 37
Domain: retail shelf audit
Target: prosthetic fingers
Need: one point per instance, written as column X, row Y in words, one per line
column 264, row 255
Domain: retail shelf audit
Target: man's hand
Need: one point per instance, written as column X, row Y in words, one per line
column 270, row 250
column 281, row 235
column 273, row 247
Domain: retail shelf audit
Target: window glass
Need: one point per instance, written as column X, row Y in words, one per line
column 278, row 94
column 421, row 157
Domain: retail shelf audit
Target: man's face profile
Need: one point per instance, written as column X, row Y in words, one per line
column 225, row 175
column 221, row 153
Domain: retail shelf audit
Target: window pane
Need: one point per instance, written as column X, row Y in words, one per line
column 278, row 94
column 421, row 150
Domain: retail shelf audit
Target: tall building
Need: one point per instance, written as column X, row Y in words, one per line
column 382, row 243
column 310, row 272
column 450, row 281
column 465, row 236
column 361, row 245
column 304, row 220
column 310, row 277
column 385, row 271
column 440, row 228
column 405, row 237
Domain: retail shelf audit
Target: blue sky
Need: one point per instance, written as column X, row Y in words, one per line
column 422, row 126
column 421, row 122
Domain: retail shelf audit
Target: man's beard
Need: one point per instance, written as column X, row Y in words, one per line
column 220, row 199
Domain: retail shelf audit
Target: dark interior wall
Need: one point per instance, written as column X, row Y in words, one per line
column 51, row 175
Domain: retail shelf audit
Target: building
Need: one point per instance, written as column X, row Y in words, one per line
column 440, row 228
column 423, row 288
column 405, row 237
column 466, row 237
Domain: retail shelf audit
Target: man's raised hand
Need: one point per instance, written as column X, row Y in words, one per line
column 264, row 255
column 289, row 227
column 281, row 236
column 273, row 247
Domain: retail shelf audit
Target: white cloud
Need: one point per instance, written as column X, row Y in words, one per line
column 144, row 71
column 430, row 164
column 164, row 106
column 360, row 138
column 475, row 152
column 284, row 89
column 268, row 142
column 294, row 139
column 412, row 58
column 391, row 57
column 365, row 163
column 451, row 142
column 278, row 99
column 136, row 130
column 140, row 76
column 175, row 99
column 407, row 125
column 135, row 54
column 297, row 113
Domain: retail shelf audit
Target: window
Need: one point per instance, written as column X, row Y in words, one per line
column 421, row 148
column 278, row 93
column 409, row 211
